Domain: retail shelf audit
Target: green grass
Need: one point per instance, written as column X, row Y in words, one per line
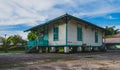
column 4, row 66
column 14, row 51
column 61, row 50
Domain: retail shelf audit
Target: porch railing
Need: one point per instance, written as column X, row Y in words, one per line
column 37, row 43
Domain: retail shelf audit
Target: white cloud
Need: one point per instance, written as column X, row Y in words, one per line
column 23, row 20
column 110, row 17
column 117, row 27
column 15, row 12
column 9, row 33
column 28, row 12
column 97, row 8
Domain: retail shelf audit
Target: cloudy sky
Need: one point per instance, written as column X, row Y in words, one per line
column 19, row 15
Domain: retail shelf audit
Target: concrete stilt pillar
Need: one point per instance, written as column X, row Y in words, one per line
column 53, row 49
column 66, row 49
column 37, row 49
column 91, row 48
column 79, row 49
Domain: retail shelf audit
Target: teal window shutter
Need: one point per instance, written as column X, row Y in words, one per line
column 79, row 33
column 96, row 37
column 55, row 33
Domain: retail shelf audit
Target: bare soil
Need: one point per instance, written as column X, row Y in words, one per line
column 109, row 60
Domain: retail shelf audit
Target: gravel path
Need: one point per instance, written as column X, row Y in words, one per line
column 109, row 60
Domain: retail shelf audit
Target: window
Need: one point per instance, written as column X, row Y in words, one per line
column 79, row 33
column 96, row 37
column 55, row 33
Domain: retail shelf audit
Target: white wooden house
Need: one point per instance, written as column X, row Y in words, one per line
column 68, row 32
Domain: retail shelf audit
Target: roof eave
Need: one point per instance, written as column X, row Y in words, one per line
column 65, row 15
column 87, row 22
column 46, row 22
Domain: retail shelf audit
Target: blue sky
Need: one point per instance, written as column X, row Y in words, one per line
column 19, row 15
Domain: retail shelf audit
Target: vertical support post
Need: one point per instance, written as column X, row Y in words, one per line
column 79, row 49
column 66, row 49
column 66, row 21
column 37, row 42
column 37, row 49
column 53, row 49
column 103, row 37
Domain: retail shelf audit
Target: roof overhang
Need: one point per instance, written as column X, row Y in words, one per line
column 61, row 17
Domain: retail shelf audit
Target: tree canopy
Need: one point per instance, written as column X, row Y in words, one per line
column 10, row 41
column 6, row 42
column 15, row 39
column 32, row 36
column 111, row 31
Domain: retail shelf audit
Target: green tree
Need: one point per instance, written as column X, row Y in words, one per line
column 32, row 36
column 23, row 42
column 111, row 31
column 5, row 43
column 16, row 39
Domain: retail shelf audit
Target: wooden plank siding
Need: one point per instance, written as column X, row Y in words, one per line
column 71, row 32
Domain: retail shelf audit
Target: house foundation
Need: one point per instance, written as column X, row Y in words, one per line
column 79, row 49
column 66, row 49
column 53, row 49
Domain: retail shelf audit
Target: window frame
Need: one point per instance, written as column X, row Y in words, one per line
column 79, row 33
column 55, row 33
column 96, row 37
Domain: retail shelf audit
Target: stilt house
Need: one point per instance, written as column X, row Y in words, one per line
column 67, row 32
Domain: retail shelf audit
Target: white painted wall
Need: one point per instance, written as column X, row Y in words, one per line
column 88, row 35
column 72, row 34
column 62, row 34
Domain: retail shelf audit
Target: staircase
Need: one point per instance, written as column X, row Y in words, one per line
column 32, row 50
column 32, row 45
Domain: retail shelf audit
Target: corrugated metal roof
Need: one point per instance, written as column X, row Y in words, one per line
column 64, row 16
column 112, row 40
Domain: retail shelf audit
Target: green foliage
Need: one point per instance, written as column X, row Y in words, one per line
column 6, row 42
column 111, row 31
column 23, row 42
column 15, row 39
column 32, row 36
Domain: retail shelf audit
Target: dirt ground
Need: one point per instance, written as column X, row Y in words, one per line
column 109, row 60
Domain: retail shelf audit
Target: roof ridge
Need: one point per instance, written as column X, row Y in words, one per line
column 62, row 16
